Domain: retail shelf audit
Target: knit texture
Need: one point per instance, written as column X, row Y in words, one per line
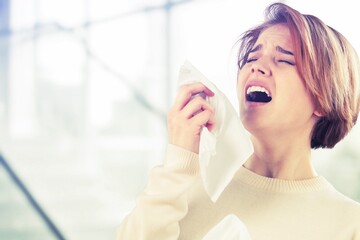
column 174, row 205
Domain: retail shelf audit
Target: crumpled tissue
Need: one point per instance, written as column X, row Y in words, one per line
column 229, row 228
column 223, row 150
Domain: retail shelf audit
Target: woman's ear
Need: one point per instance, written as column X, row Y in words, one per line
column 318, row 113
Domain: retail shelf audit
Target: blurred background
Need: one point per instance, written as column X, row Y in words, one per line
column 85, row 86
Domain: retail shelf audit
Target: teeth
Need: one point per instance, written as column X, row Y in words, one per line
column 257, row 89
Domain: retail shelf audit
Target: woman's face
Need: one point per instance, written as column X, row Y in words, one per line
column 272, row 96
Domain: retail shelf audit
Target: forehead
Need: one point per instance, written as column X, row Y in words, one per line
column 277, row 35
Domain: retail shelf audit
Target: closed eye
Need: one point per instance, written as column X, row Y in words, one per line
column 288, row 62
column 251, row 60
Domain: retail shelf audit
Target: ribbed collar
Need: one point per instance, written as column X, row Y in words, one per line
column 280, row 185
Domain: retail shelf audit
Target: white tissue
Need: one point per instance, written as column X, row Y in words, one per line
column 230, row 228
column 226, row 148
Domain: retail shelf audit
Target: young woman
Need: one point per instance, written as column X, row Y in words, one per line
column 298, row 88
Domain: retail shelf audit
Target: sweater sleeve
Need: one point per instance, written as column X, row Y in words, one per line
column 163, row 203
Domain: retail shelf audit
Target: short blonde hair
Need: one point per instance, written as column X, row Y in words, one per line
column 328, row 65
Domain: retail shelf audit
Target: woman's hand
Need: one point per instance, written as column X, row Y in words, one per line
column 188, row 115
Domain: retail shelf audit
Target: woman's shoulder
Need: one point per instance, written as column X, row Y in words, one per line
column 345, row 206
column 348, row 204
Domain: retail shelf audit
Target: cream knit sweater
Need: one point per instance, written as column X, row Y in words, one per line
column 174, row 205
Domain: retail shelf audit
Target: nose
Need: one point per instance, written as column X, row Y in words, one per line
column 260, row 67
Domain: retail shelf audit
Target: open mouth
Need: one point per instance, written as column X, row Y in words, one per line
column 258, row 94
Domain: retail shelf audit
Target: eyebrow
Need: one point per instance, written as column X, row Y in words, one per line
column 255, row 49
column 279, row 49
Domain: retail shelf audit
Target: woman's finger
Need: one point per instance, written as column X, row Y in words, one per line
column 187, row 91
column 204, row 118
column 196, row 105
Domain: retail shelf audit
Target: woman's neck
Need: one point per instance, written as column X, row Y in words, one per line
column 290, row 160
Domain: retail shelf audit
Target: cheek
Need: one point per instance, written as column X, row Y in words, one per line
column 240, row 85
column 301, row 100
